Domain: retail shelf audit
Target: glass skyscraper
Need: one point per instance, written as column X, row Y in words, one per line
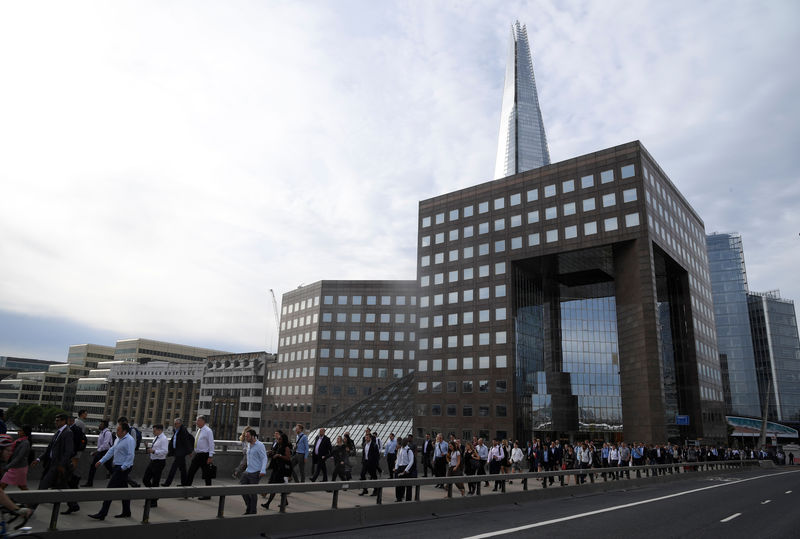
column 729, row 287
column 521, row 144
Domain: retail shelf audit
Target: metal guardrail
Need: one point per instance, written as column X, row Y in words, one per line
column 57, row 497
column 41, row 439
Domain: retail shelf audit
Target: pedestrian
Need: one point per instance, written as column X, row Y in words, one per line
column 405, row 467
column 203, row 454
column 390, row 449
column 427, row 456
column 455, row 466
column 181, row 445
column 440, row 458
column 104, row 439
column 339, row 456
column 57, row 460
column 15, row 468
column 369, row 462
column 256, row 469
column 495, row 462
column 281, row 464
column 6, row 442
column 122, row 453
column 320, row 456
column 300, row 454
column 237, row 473
column 517, row 456
column 3, row 428
column 81, row 420
column 472, row 461
column 158, row 459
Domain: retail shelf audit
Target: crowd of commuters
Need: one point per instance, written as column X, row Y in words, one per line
column 284, row 461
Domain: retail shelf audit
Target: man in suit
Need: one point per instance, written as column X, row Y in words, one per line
column 181, row 445
column 57, row 460
column 369, row 462
column 322, row 451
column 427, row 455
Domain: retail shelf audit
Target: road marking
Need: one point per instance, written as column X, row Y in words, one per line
column 616, row 508
column 788, row 492
column 765, row 502
column 731, row 517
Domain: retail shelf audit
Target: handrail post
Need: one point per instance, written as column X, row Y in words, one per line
column 416, row 493
column 146, row 512
column 221, row 507
column 525, row 483
column 283, row 502
column 449, row 490
column 379, row 497
column 503, row 486
column 335, row 502
column 478, row 489
column 54, row 517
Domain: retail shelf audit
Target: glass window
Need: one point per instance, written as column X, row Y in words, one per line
column 590, row 228
column 425, row 261
column 372, row 300
column 483, row 207
column 452, row 364
column 438, row 278
column 328, row 300
column 438, row 299
column 483, row 315
column 483, row 249
column 439, row 218
column 355, row 317
column 483, row 339
column 426, row 222
column 500, row 291
column 500, row 313
column 467, row 362
column 500, row 362
column 323, row 371
column 467, row 317
column 532, row 195
column 610, row 224
column 499, row 203
column 533, row 239
column 499, row 224
column 438, row 258
column 452, row 319
column 499, row 268
column 436, row 365
column 609, row 200
column 533, row 217
column 515, row 199
column 452, row 276
column 587, row 181
column 549, row 191
column 356, row 300
column 632, row 219
column 628, row 171
column 570, row 232
column 468, row 252
column 516, row 243
column 588, row 204
column 552, row 235
column 422, row 387
column 423, row 365
column 467, row 211
column 338, row 371
column 607, row 176
column 629, row 195
column 567, row 186
column 500, row 410
column 468, row 231
column 551, row 213
column 452, row 256
column 453, row 215
column 500, row 386
column 515, row 220
column 452, row 297
column 453, row 236
column 569, row 208
column 467, row 294
column 468, row 273
column 426, row 241
column 483, row 228
column 483, row 363
column 436, row 409
column 327, row 317
column 483, row 271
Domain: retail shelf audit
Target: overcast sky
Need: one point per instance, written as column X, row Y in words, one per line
column 164, row 164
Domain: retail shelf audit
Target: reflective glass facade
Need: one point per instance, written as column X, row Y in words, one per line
column 522, row 144
column 729, row 288
column 777, row 352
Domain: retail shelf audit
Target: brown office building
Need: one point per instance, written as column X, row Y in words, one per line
column 571, row 300
column 340, row 341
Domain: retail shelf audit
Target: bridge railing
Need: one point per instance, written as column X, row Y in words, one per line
column 333, row 488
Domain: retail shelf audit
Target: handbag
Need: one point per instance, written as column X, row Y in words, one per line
column 210, row 471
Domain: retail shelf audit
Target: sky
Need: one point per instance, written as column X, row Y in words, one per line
column 163, row 165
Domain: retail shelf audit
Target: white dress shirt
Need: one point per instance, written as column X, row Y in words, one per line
column 204, row 441
column 159, row 447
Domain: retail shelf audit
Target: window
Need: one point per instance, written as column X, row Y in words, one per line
column 439, row 218
column 533, row 217
column 500, row 268
column 483, row 207
column 323, row 371
column 328, row 300
column 466, row 386
column 355, row 317
column 451, row 410
column 342, row 300
column 499, row 224
column 338, row 371
column 426, row 222
column 426, row 241
column 570, row 232
column 467, row 211
column 468, row 252
column 438, row 258
column 500, row 386
column 629, row 195
column 327, row 317
column 607, row 176
column 468, row 273
column 468, row 295
column 549, row 191
column 551, row 212
column 483, row 315
column 483, row 385
column 452, row 319
column 500, row 291
column 587, row 181
column 552, row 235
column 590, row 228
column 499, row 203
column 467, row 362
column 466, row 410
column 483, row 249
column 483, row 363
column 483, row 228
column 569, row 208
column 609, row 200
column 532, row 195
column 500, row 362
column 567, row 186
column 436, row 365
column 628, row 171
column 500, row 313
column 516, row 243
column 453, row 215
column 483, row 292
column 533, row 239
column 436, row 409
column 500, row 410
column 452, row 364
column 452, row 276
column 438, row 278
column 631, row 220
column 516, row 220
column 468, row 231
column 514, row 200
column 453, row 236
column 425, row 261
column 422, row 387
column 610, row 224
column 588, row 204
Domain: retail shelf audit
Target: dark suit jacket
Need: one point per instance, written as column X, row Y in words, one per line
column 62, row 448
column 371, row 454
column 184, row 444
column 324, row 449
column 428, row 450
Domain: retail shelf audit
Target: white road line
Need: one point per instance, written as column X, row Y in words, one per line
column 765, row 502
column 615, row 508
column 731, row 517
column 788, row 492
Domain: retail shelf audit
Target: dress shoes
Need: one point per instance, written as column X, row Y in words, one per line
column 71, row 510
column 165, row 484
column 98, row 516
column 265, row 505
column 122, row 515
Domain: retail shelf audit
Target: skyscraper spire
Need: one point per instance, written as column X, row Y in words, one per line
column 522, row 144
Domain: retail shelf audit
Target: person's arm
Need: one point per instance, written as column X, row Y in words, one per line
column 108, row 456
column 6, row 502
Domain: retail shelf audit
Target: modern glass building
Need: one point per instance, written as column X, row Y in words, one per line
column 572, row 300
column 521, row 144
column 734, row 340
column 777, row 351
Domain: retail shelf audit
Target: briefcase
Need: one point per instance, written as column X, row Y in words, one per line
column 210, row 472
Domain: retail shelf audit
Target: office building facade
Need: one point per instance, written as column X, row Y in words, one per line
column 571, row 300
column 339, row 342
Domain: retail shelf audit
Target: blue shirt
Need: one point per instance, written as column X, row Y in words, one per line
column 257, row 458
column 301, row 446
column 391, row 447
column 122, row 452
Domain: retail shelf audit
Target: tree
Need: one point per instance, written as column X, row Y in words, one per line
column 49, row 414
column 31, row 416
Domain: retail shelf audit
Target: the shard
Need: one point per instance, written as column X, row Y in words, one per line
column 522, row 144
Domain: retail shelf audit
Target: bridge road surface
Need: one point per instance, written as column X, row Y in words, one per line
column 755, row 504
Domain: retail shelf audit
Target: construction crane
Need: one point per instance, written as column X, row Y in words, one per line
column 275, row 310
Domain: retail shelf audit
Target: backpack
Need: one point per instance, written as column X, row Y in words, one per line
column 137, row 436
column 79, row 438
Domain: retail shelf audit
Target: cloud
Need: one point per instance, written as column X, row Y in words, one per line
column 165, row 165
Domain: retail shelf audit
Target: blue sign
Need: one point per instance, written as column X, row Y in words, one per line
column 682, row 420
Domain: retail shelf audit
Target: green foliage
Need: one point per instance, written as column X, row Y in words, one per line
column 34, row 414
column 49, row 414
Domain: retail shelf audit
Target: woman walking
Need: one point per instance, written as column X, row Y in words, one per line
column 15, row 471
column 281, row 463
column 454, row 464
